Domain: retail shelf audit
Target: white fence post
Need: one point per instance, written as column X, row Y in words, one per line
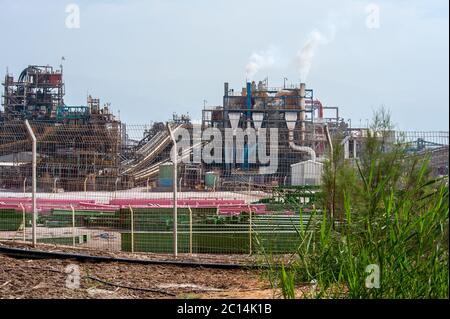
column 132, row 228
column 24, row 222
column 175, row 182
column 250, row 230
column 33, row 192
column 190, row 230
column 73, row 225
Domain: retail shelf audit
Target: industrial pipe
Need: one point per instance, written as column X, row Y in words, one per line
column 33, row 192
column 330, row 143
column 291, row 118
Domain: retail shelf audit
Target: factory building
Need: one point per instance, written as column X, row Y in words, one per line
column 76, row 144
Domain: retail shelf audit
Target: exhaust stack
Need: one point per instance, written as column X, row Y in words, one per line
column 302, row 111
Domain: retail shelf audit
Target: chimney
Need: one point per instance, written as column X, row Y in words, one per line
column 302, row 111
column 225, row 89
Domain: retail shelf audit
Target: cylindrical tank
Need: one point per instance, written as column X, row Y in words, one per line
column 165, row 177
column 211, row 179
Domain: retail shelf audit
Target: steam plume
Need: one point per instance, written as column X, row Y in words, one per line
column 259, row 61
column 305, row 55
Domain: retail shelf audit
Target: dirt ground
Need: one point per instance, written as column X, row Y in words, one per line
column 46, row 278
column 241, row 259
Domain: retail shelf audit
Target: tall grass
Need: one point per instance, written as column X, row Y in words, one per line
column 389, row 214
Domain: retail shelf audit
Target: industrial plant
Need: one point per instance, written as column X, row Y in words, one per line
column 75, row 142
column 85, row 147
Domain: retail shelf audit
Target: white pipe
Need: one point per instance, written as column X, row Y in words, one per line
column 33, row 192
column 24, row 223
column 175, row 208
column 298, row 148
column 291, row 118
column 73, row 224
column 330, row 143
column 132, row 227
column 250, row 229
column 190, row 230
column 54, row 184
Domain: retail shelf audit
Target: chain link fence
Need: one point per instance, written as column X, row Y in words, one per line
column 109, row 187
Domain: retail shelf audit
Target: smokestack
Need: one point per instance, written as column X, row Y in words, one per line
column 249, row 99
column 225, row 89
column 302, row 111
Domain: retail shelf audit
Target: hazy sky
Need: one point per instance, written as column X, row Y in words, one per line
column 153, row 58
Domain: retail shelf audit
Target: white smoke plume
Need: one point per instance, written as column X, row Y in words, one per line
column 305, row 55
column 259, row 61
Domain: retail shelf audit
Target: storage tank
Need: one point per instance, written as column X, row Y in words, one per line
column 306, row 173
column 165, row 177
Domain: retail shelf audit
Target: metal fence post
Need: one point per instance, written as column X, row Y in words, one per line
column 85, row 186
column 24, row 222
column 33, row 192
column 250, row 230
column 175, row 182
column 24, row 185
column 190, row 230
column 73, row 225
column 132, row 228
column 333, row 195
column 115, row 187
column 54, row 185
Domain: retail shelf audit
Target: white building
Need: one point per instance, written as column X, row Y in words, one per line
column 306, row 173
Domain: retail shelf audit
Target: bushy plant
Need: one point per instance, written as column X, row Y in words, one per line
column 383, row 213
